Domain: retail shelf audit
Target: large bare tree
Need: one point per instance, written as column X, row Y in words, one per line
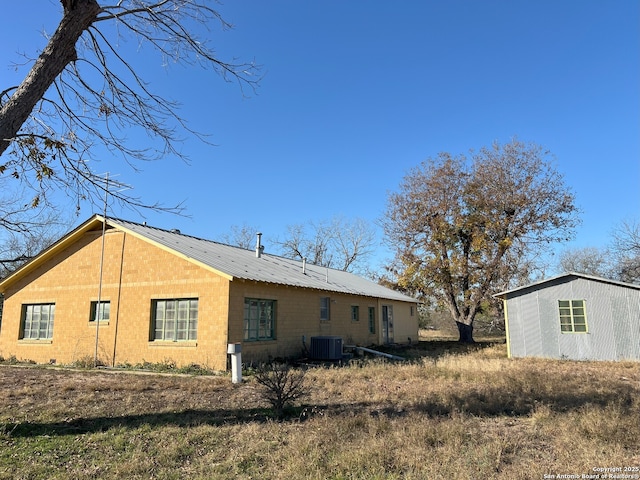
column 626, row 251
column 587, row 260
column 338, row 243
column 462, row 228
column 82, row 93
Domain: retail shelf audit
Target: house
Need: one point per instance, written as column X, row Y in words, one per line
column 573, row 316
column 127, row 293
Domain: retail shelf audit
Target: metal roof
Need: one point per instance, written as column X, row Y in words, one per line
column 566, row 276
column 239, row 263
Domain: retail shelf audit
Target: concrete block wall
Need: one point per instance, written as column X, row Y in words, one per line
column 134, row 274
column 298, row 316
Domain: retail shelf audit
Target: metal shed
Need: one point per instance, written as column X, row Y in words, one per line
column 573, row 316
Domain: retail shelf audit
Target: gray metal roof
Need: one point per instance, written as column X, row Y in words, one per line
column 243, row 264
column 568, row 276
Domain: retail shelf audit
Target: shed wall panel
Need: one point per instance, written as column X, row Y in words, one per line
column 549, row 327
column 621, row 328
column 531, row 326
column 516, row 337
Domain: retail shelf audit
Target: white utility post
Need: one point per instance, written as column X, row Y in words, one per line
column 235, row 350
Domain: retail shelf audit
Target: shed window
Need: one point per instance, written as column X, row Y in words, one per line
column 573, row 316
column 175, row 320
column 37, row 321
column 259, row 319
column 355, row 313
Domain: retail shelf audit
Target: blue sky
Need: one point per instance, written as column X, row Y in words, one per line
column 356, row 93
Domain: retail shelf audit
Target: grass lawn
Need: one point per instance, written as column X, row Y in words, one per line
column 450, row 412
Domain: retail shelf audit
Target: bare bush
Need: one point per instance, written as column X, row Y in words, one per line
column 281, row 385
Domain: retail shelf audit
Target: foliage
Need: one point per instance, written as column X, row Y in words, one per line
column 281, row 385
column 464, row 229
column 83, row 96
column 167, row 366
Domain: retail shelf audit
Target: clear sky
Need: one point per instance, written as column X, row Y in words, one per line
column 355, row 93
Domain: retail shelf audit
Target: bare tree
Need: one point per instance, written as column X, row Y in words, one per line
column 587, row 260
column 82, row 94
column 338, row 243
column 626, row 251
column 243, row 236
column 310, row 242
column 463, row 229
column 18, row 247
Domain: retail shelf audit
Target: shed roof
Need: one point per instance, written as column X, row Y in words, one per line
column 567, row 277
column 226, row 260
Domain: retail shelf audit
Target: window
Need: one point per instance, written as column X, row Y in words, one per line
column 573, row 316
column 102, row 313
column 324, row 308
column 175, row 320
column 37, row 321
column 259, row 319
column 372, row 319
column 355, row 313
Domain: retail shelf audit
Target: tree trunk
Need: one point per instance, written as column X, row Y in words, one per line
column 59, row 52
column 466, row 332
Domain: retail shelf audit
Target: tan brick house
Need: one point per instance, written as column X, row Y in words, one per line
column 139, row 293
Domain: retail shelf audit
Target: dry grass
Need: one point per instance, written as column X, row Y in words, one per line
column 451, row 412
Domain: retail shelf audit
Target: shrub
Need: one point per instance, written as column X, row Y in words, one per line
column 281, row 385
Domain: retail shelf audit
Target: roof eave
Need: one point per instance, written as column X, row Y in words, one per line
column 503, row 295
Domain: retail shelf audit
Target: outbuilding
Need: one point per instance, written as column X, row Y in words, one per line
column 573, row 316
column 130, row 293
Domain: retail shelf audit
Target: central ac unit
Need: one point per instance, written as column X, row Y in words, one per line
column 326, row 348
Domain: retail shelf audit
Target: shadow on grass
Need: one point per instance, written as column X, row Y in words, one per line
column 186, row 418
column 437, row 348
column 491, row 402
column 500, row 402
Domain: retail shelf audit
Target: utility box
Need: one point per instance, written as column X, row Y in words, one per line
column 233, row 348
column 326, row 348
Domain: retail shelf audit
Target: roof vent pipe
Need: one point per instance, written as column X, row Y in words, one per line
column 304, row 266
column 259, row 247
